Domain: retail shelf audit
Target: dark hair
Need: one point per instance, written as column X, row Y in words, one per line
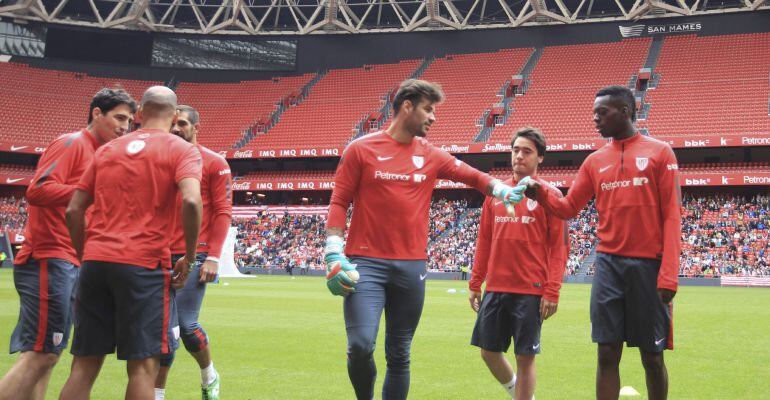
column 416, row 90
column 620, row 93
column 533, row 134
column 192, row 114
column 109, row 98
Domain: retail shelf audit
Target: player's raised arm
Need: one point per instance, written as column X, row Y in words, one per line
column 564, row 207
column 458, row 171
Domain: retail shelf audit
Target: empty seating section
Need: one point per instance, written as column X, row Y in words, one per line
column 471, row 83
column 708, row 85
column 719, row 168
column 19, row 170
column 335, row 105
column 711, row 85
column 288, row 175
column 564, row 83
column 716, row 168
column 229, row 109
column 37, row 105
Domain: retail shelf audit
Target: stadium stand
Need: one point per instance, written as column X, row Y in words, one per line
column 725, row 235
column 13, row 213
column 37, row 105
column 704, row 89
column 699, row 89
column 228, row 110
column 343, row 97
column 18, row 170
column 563, row 84
column 471, row 83
column 722, row 235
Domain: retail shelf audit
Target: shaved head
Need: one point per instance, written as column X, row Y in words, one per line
column 158, row 102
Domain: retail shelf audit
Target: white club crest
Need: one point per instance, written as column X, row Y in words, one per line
column 57, row 338
column 531, row 204
column 135, row 146
column 641, row 163
column 418, row 161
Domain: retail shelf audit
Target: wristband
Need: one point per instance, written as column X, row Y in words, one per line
column 212, row 259
column 334, row 245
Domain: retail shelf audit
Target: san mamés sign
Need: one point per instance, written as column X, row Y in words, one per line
column 640, row 30
column 674, row 28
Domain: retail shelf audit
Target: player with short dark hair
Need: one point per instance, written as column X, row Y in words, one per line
column 46, row 269
column 216, row 194
column 521, row 258
column 389, row 177
column 635, row 181
column 124, row 291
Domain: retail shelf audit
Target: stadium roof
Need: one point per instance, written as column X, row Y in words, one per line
column 302, row 17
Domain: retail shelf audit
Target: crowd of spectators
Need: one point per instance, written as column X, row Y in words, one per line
column 455, row 249
column 281, row 241
column 725, row 235
column 721, row 235
column 13, row 213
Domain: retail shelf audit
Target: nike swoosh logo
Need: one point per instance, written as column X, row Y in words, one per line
column 497, row 203
column 604, row 168
column 422, row 277
column 15, row 148
column 536, row 346
column 659, row 341
column 9, row 180
column 383, row 158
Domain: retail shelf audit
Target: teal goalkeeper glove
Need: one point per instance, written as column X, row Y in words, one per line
column 508, row 194
column 341, row 275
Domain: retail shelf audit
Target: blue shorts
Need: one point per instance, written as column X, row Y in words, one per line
column 125, row 307
column 46, row 295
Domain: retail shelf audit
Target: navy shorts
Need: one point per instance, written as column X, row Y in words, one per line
column 506, row 316
column 625, row 306
column 46, row 294
column 125, row 307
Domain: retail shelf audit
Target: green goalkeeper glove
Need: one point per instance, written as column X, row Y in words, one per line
column 341, row 275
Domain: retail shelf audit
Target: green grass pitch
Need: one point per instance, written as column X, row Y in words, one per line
column 282, row 338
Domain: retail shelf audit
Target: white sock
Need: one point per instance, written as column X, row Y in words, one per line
column 208, row 374
column 160, row 394
column 510, row 387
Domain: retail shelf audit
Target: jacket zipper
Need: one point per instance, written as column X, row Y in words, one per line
column 622, row 153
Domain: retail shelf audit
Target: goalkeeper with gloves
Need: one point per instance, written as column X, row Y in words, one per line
column 389, row 176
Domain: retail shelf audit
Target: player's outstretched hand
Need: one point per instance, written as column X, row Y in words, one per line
column 547, row 308
column 508, row 194
column 179, row 274
column 208, row 271
column 475, row 298
column 666, row 295
column 341, row 275
column 532, row 186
